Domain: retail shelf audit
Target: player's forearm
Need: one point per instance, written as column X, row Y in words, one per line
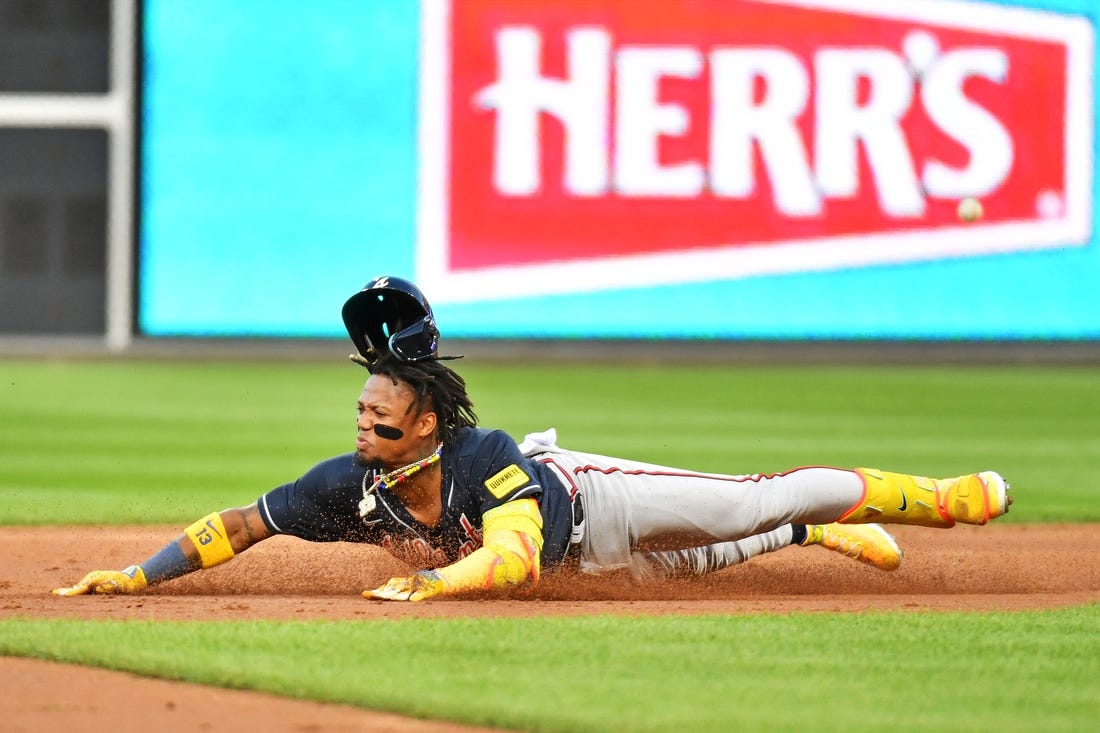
column 204, row 544
column 510, row 552
column 210, row 541
column 509, row 556
column 508, row 559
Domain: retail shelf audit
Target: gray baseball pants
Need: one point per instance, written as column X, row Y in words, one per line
column 657, row 519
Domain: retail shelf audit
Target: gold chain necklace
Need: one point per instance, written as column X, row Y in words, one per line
column 393, row 478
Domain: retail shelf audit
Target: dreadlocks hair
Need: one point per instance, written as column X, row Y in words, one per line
column 435, row 387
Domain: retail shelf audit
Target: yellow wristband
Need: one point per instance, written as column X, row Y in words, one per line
column 211, row 540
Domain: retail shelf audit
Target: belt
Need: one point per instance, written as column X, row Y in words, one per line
column 578, row 519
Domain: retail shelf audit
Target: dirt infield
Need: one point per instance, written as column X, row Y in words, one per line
column 999, row 567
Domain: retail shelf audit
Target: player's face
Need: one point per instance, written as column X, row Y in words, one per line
column 389, row 433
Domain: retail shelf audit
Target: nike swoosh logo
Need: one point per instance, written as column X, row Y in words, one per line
column 904, row 502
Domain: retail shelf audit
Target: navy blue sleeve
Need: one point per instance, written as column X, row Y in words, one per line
column 322, row 505
column 557, row 514
column 497, row 472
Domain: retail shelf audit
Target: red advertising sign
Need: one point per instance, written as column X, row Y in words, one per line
column 621, row 142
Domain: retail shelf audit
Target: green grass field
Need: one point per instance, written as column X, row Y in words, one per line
column 142, row 442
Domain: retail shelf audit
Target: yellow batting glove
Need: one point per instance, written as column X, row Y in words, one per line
column 425, row 584
column 130, row 580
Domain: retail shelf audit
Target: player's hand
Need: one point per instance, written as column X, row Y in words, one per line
column 425, row 584
column 130, row 580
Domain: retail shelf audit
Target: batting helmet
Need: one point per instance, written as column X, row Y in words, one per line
column 391, row 314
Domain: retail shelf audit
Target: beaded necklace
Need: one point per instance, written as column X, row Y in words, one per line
column 393, row 478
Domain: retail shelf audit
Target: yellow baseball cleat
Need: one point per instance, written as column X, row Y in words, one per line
column 974, row 499
column 903, row 499
column 868, row 543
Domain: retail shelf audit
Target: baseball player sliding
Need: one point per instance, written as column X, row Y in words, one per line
column 474, row 510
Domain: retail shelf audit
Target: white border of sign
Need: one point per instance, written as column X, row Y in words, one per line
column 113, row 112
column 1072, row 228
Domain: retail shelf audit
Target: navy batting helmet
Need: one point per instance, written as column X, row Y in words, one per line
column 390, row 313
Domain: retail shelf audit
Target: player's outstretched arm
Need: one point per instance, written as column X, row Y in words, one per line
column 509, row 557
column 210, row 541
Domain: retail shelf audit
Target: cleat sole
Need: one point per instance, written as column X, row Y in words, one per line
column 996, row 494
